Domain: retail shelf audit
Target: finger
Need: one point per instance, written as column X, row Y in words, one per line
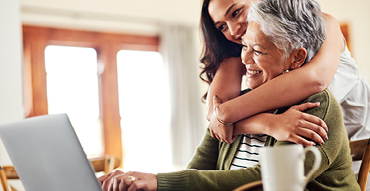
column 233, row 138
column 108, row 179
column 305, row 106
column 104, row 177
column 302, row 141
column 320, row 125
column 106, row 183
column 125, row 183
column 116, row 183
column 312, row 135
column 112, row 185
column 107, row 176
column 122, row 186
column 221, row 139
column 105, row 186
column 228, row 140
column 212, row 134
column 138, row 185
column 217, row 137
column 110, row 188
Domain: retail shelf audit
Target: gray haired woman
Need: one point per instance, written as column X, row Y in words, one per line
column 282, row 35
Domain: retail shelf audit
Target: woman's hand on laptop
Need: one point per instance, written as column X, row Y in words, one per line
column 130, row 181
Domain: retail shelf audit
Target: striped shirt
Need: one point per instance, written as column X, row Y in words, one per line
column 247, row 154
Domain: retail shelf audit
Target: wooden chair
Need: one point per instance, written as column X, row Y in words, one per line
column 7, row 173
column 252, row 186
column 105, row 164
column 360, row 150
column 100, row 164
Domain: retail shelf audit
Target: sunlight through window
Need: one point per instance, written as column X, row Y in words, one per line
column 72, row 88
column 145, row 110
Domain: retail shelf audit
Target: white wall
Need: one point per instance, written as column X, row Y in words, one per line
column 144, row 16
column 11, row 99
column 356, row 13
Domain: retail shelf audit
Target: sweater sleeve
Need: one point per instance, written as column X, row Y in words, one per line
column 206, row 176
column 335, row 171
column 200, row 180
column 206, row 155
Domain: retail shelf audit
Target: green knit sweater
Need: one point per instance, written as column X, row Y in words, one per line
column 212, row 159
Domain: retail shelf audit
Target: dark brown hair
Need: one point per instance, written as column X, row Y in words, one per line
column 216, row 47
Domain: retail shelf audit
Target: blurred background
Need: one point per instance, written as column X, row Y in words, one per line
column 126, row 72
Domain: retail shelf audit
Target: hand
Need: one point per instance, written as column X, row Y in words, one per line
column 218, row 130
column 301, row 128
column 120, row 181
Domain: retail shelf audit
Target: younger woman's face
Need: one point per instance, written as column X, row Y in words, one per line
column 230, row 17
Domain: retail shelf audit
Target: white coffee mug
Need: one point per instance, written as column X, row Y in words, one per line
column 282, row 167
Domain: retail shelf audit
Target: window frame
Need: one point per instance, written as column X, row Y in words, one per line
column 107, row 45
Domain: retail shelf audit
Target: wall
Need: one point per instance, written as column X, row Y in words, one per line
column 356, row 13
column 11, row 100
column 142, row 16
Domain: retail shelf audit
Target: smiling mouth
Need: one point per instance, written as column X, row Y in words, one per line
column 253, row 72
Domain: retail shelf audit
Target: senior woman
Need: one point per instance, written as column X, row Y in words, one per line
column 269, row 50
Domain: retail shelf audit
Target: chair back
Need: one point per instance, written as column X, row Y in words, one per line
column 360, row 150
column 105, row 164
column 100, row 164
column 4, row 172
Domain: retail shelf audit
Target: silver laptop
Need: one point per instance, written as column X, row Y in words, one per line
column 47, row 154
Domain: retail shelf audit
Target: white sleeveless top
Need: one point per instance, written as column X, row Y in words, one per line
column 353, row 95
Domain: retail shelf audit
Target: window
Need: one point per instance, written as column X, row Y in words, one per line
column 38, row 81
column 72, row 88
column 145, row 111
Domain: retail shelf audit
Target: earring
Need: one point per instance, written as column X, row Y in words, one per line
column 286, row 71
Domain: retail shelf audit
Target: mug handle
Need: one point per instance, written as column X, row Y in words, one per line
column 316, row 165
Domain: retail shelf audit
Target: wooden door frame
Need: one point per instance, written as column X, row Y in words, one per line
column 107, row 45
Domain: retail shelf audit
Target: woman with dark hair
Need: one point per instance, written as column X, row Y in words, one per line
column 223, row 22
column 213, row 159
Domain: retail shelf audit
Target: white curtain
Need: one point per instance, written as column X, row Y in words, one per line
column 182, row 66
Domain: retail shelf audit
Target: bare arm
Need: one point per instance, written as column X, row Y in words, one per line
column 293, row 125
column 287, row 89
column 226, row 83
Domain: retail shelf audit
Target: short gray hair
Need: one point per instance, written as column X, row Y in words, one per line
column 291, row 24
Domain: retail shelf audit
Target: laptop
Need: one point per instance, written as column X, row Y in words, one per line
column 47, row 154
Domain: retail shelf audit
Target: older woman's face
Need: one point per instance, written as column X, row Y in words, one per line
column 230, row 17
column 261, row 57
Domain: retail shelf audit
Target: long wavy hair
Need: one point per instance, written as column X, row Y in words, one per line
column 216, row 47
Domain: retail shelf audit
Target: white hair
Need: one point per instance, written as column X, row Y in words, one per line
column 291, row 24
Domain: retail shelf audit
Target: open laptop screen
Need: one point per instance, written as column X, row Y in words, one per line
column 47, row 154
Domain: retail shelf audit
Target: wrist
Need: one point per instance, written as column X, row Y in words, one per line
column 223, row 114
column 224, row 122
column 267, row 125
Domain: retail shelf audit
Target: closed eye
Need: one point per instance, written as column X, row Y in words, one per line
column 258, row 53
